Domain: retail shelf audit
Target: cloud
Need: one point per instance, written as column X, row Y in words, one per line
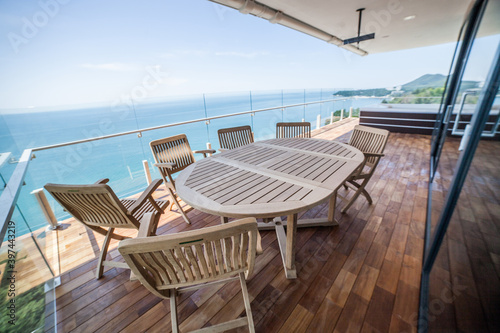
column 185, row 52
column 174, row 81
column 241, row 54
column 113, row 66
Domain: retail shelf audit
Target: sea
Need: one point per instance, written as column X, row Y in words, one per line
column 121, row 158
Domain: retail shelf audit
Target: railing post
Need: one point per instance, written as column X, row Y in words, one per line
column 45, row 207
column 341, row 114
column 331, row 117
column 318, row 121
column 209, row 146
column 146, row 171
column 350, row 112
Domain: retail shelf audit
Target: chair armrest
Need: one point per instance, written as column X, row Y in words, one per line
column 148, row 224
column 223, row 150
column 148, row 193
column 373, row 155
column 102, row 181
column 205, row 151
column 165, row 165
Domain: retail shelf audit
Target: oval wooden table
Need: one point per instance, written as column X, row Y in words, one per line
column 269, row 179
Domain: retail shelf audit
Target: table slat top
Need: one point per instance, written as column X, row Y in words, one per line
column 268, row 178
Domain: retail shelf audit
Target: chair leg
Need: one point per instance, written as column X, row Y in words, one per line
column 361, row 189
column 173, row 311
column 246, row 300
column 174, row 199
column 367, row 196
column 104, row 252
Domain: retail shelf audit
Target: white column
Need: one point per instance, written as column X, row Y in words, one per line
column 209, row 146
column 45, row 207
column 341, row 114
column 318, row 121
column 331, row 117
column 146, row 171
column 350, row 112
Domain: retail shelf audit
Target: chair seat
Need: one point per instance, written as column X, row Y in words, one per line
column 147, row 207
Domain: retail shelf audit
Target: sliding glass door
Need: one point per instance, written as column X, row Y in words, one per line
column 460, row 286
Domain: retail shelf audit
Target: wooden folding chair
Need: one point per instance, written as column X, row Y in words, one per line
column 98, row 207
column 169, row 265
column 173, row 154
column 293, row 130
column 371, row 141
column 234, row 137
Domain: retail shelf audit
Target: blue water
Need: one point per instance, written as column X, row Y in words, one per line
column 120, row 158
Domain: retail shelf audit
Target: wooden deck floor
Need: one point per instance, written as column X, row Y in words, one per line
column 361, row 276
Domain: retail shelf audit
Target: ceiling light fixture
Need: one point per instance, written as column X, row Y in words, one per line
column 411, row 17
column 359, row 38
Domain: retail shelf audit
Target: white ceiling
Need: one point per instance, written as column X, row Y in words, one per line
column 435, row 22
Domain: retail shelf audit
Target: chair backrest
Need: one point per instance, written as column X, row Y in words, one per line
column 234, row 137
column 369, row 140
column 192, row 257
column 293, row 130
column 174, row 149
column 94, row 205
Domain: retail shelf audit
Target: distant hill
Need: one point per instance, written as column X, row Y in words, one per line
column 435, row 81
column 425, row 81
column 380, row 92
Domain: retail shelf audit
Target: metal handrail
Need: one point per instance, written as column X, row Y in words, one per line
column 486, row 134
column 11, row 192
column 183, row 123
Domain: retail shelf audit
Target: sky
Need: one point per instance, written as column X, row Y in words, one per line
column 96, row 51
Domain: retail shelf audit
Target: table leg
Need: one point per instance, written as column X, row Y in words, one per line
column 291, row 232
column 331, row 208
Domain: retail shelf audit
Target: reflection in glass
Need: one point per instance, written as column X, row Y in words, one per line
column 465, row 279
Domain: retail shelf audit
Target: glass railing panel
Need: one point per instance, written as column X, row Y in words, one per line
column 28, row 264
column 312, row 110
column 38, row 127
column 222, row 104
column 117, row 158
column 360, row 102
column 292, row 97
column 267, row 99
column 8, row 150
column 326, row 111
column 265, row 124
column 227, row 103
column 313, row 95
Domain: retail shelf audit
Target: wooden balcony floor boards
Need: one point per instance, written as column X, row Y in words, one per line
column 362, row 276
